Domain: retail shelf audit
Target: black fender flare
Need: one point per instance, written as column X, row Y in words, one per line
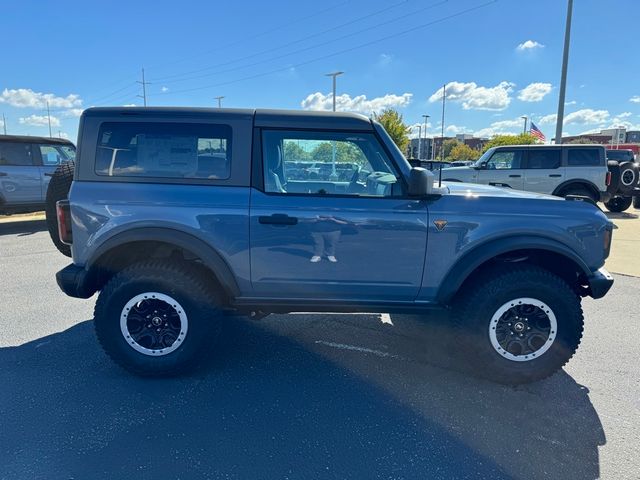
column 576, row 181
column 472, row 259
column 209, row 255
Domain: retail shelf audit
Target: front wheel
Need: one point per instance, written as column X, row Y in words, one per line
column 155, row 318
column 518, row 325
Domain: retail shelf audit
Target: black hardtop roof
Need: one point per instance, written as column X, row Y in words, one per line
column 32, row 139
column 262, row 117
column 563, row 145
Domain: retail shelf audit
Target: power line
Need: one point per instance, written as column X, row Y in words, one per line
column 340, row 52
column 305, row 38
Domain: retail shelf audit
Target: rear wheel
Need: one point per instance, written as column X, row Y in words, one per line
column 580, row 191
column 518, row 325
column 58, row 189
column 618, row 204
column 155, row 318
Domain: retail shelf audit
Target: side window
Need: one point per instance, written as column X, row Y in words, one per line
column 54, row 154
column 164, row 150
column 18, row 154
column 505, row 160
column 544, row 158
column 327, row 163
column 583, row 157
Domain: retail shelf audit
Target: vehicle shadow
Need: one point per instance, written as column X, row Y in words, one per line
column 22, row 227
column 621, row 215
column 274, row 402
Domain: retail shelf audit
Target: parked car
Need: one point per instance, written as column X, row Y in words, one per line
column 172, row 249
column 626, row 159
column 621, row 155
column 559, row 170
column 460, row 163
column 26, row 165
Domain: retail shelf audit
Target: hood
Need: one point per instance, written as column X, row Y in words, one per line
column 475, row 190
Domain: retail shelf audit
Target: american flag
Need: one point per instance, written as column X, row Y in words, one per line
column 536, row 132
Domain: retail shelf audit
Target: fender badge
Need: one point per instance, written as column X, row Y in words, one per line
column 440, row 224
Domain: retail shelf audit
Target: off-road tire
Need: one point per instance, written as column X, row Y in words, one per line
column 628, row 177
column 481, row 298
column 181, row 282
column 58, row 189
column 618, row 204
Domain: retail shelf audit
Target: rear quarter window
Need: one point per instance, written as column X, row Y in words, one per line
column 164, row 150
column 583, row 157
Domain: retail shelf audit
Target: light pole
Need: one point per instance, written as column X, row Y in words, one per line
column 563, row 75
column 525, row 123
column 426, row 117
column 333, row 76
column 219, row 99
column 49, row 117
column 419, row 140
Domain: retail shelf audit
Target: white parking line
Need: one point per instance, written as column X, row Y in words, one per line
column 354, row 348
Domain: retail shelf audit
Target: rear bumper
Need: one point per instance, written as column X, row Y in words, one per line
column 600, row 283
column 75, row 282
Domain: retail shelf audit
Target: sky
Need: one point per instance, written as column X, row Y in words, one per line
column 499, row 59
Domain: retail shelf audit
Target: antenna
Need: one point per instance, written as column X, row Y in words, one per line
column 444, row 96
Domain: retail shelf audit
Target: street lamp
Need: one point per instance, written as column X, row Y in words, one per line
column 426, row 117
column 333, row 75
column 525, row 123
column 419, row 139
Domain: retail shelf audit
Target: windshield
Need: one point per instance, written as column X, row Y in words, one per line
column 485, row 156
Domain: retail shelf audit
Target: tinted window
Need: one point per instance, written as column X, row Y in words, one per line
column 326, row 163
column 620, row 155
column 15, row 154
column 583, row 157
column 544, row 158
column 56, row 154
column 505, row 160
column 164, row 150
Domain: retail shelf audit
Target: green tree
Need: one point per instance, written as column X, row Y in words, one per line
column 448, row 146
column 392, row 122
column 520, row 139
column 463, row 152
column 294, row 152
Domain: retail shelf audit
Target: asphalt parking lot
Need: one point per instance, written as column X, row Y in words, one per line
column 302, row 396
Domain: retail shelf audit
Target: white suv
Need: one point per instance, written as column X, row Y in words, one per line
column 554, row 169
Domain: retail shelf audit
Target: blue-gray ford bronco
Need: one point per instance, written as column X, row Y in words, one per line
column 181, row 216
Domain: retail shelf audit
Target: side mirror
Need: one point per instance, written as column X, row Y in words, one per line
column 482, row 166
column 420, row 182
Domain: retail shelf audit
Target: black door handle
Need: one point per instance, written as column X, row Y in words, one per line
column 3, row 174
column 515, row 176
column 555, row 175
column 48, row 174
column 278, row 219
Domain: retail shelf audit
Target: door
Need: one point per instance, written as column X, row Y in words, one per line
column 505, row 168
column 19, row 175
column 544, row 171
column 331, row 220
column 49, row 157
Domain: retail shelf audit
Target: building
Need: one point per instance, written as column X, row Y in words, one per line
column 618, row 135
column 591, row 137
column 633, row 136
column 420, row 148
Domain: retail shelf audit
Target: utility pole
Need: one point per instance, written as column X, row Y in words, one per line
column 219, row 99
column 333, row 75
column 563, row 76
column 144, row 88
column 525, row 123
column 49, row 117
column 426, row 153
column 419, row 140
column 444, row 96
column 4, row 124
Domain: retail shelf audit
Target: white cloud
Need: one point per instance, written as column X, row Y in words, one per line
column 384, row 59
column 474, row 97
column 548, row 119
column 64, row 135
column 624, row 115
column 529, row 45
column 73, row 112
column 534, row 92
column 586, row 116
column 130, row 105
column 502, row 124
column 27, row 98
column 360, row 103
column 39, row 121
column 455, row 129
column 635, row 99
column 572, row 102
column 164, row 89
column 419, row 128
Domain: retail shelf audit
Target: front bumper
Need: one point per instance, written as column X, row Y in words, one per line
column 600, row 283
column 75, row 282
